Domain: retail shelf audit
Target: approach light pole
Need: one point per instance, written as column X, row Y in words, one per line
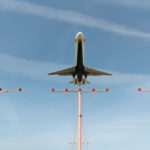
column 6, row 91
column 80, row 91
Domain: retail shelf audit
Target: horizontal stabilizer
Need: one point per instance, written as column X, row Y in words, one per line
column 65, row 72
column 93, row 72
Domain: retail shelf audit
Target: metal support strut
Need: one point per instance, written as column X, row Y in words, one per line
column 80, row 117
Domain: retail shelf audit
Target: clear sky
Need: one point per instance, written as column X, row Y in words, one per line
column 37, row 37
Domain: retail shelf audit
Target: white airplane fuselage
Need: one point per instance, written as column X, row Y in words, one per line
column 79, row 39
column 79, row 46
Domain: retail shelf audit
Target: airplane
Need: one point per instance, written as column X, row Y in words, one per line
column 80, row 71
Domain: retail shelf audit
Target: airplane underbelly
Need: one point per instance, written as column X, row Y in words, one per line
column 80, row 51
column 79, row 78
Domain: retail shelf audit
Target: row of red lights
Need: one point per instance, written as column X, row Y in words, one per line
column 66, row 90
column 93, row 90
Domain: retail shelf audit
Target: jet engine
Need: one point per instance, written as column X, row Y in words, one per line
column 74, row 81
column 84, row 80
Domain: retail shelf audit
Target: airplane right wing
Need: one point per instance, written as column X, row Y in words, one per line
column 93, row 72
column 65, row 72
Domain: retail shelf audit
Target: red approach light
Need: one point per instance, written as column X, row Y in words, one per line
column 93, row 90
column 53, row 90
column 106, row 89
column 80, row 90
column 139, row 89
column 20, row 89
column 0, row 89
column 66, row 90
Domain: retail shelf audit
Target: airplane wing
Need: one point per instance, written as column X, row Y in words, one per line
column 64, row 72
column 93, row 72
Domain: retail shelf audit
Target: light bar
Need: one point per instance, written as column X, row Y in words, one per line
column 5, row 91
column 80, row 90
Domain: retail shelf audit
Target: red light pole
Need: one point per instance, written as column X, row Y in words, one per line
column 80, row 111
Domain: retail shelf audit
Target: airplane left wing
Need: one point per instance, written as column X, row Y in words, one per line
column 65, row 72
column 93, row 72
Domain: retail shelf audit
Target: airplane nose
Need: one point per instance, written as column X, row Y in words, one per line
column 79, row 35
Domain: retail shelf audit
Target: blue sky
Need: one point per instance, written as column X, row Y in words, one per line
column 37, row 37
